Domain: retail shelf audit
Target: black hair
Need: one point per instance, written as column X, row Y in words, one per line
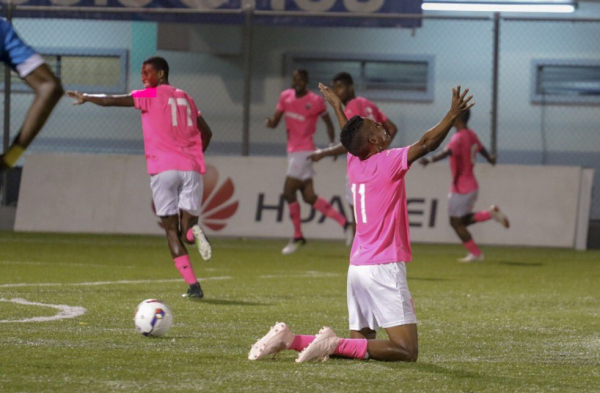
column 465, row 116
column 159, row 64
column 303, row 73
column 350, row 136
column 344, row 77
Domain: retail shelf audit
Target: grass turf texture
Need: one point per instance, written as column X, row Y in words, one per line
column 524, row 320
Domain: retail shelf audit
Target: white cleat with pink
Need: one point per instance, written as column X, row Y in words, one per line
column 279, row 338
column 499, row 216
column 324, row 345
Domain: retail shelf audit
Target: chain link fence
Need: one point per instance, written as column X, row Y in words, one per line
column 541, row 121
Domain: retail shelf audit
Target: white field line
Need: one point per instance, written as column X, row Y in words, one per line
column 65, row 312
column 99, row 283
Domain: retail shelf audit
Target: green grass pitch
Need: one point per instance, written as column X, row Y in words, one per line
column 525, row 320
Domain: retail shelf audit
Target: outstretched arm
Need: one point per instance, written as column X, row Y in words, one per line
column 101, row 99
column 491, row 158
column 334, row 151
column 205, row 132
column 329, row 124
column 436, row 157
column 433, row 138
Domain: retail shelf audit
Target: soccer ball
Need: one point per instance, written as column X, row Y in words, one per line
column 153, row 317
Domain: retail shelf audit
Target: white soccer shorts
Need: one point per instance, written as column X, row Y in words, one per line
column 299, row 166
column 173, row 191
column 378, row 296
column 461, row 204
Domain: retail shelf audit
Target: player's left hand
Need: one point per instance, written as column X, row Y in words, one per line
column 79, row 98
column 316, row 156
column 424, row 161
column 330, row 96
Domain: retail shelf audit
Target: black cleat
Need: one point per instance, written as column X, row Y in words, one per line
column 194, row 292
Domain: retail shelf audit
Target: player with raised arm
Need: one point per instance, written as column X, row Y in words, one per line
column 302, row 108
column 175, row 138
column 31, row 67
column 462, row 150
column 343, row 87
column 378, row 294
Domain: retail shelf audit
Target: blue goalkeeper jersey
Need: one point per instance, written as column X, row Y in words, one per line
column 13, row 50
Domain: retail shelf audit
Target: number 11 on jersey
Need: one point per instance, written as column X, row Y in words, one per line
column 363, row 203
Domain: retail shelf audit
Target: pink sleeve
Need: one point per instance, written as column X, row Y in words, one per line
column 281, row 103
column 199, row 113
column 349, row 111
column 454, row 142
column 142, row 98
column 397, row 162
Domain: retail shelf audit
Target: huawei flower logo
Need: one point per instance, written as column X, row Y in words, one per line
column 216, row 205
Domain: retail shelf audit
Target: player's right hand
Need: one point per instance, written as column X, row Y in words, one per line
column 77, row 96
column 424, row 161
column 460, row 104
column 269, row 123
column 316, row 156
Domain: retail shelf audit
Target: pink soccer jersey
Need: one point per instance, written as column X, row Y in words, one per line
column 360, row 106
column 381, row 216
column 171, row 136
column 464, row 146
column 301, row 115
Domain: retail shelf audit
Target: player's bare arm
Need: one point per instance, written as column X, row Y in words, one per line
column 335, row 103
column 491, row 158
column 205, row 132
column 436, row 157
column 334, row 151
column 433, row 138
column 273, row 122
column 330, row 130
column 124, row 100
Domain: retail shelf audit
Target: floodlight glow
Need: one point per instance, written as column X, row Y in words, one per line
column 499, row 7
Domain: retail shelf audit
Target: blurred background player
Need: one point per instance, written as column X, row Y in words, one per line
column 175, row 138
column 31, row 67
column 343, row 87
column 462, row 150
column 378, row 294
column 302, row 109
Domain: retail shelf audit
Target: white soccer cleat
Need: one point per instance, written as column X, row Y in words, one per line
column 498, row 216
column 279, row 338
column 323, row 345
column 472, row 258
column 204, row 246
column 293, row 246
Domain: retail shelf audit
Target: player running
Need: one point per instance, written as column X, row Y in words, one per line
column 302, row 108
column 31, row 67
column 343, row 86
column 378, row 294
column 175, row 138
column 462, row 150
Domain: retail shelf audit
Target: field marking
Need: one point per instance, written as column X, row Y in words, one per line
column 65, row 312
column 97, row 283
column 307, row 274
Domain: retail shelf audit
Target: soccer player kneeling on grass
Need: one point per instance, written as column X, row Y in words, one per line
column 175, row 138
column 378, row 294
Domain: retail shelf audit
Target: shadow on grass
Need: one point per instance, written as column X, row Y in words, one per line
column 225, row 302
column 523, row 264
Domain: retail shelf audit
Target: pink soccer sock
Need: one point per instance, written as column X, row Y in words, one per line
column 355, row 348
column 295, row 216
column 190, row 235
column 187, row 272
column 324, row 207
column 472, row 247
column 482, row 216
column 300, row 342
